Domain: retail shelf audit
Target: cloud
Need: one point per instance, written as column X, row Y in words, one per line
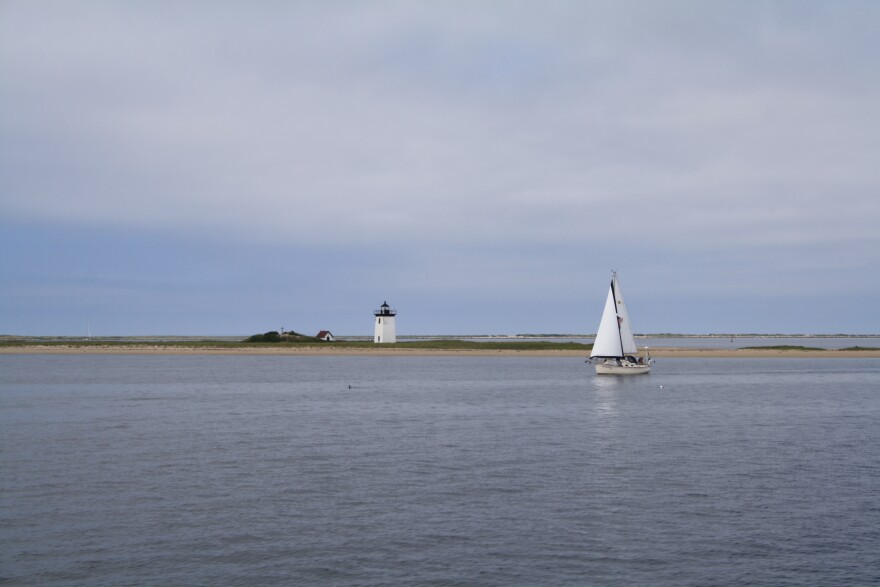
column 479, row 139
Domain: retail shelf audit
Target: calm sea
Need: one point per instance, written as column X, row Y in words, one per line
column 179, row 470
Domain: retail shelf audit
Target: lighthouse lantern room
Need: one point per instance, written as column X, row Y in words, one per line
column 385, row 330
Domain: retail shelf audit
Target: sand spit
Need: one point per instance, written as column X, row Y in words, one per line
column 668, row 352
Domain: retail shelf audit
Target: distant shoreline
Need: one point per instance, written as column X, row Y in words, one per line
column 36, row 339
column 318, row 350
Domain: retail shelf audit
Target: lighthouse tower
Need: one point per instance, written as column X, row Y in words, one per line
column 385, row 330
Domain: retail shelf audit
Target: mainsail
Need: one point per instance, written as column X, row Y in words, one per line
column 614, row 337
column 626, row 334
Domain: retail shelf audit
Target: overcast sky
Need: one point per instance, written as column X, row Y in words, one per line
column 236, row 167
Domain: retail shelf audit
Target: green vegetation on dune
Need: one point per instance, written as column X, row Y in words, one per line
column 781, row 347
column 446, row 344
column 525, row 345
column 807, row 348
column 98, row 343
column 274, row 336
column 275, row 340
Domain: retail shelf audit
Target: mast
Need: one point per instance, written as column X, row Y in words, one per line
column 616, row 312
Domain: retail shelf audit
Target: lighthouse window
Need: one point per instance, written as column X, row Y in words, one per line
column 380, row 321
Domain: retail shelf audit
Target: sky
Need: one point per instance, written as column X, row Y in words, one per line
column 229, row 168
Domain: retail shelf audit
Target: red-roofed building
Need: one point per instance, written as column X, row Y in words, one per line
column 326, row 335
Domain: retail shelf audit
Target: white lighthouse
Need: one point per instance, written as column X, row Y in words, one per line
column 385, row 330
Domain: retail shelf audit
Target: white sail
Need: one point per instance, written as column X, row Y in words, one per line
column 614, row 337
column 626, row 334
column 607, row 343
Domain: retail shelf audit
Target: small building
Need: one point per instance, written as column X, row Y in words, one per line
column 326, row 335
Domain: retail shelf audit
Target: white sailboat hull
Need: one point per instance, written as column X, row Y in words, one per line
column 625, row 368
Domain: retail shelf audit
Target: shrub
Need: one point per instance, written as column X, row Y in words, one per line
column 271, row 336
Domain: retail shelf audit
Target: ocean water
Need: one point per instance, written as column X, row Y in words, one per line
column 236, row 470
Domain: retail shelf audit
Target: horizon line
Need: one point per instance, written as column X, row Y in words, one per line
column 521, row 335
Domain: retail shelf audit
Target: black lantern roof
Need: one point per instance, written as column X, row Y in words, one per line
column 385, row 310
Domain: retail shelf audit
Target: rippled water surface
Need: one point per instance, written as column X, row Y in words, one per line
column 146, row 470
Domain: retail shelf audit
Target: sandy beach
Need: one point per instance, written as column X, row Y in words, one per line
column 668, row 352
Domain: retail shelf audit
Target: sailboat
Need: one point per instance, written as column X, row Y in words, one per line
column 614, row 350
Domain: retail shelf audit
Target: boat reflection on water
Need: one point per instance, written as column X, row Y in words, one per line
column 607, row 389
